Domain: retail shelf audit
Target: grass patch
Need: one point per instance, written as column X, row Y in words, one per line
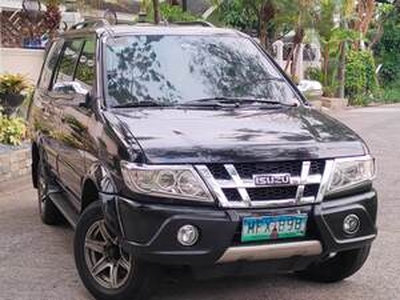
column 390, row 95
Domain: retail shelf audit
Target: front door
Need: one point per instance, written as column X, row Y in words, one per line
column 72, row 85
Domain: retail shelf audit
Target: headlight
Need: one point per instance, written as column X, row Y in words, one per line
column 349, row 172
column 181, row 182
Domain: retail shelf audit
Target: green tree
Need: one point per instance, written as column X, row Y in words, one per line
column 271, row 20
column 387, row 49
column 304, row 14
column 168, row 12
column 252, row 15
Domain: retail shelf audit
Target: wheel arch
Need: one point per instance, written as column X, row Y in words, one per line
column 98, row 177
column 99, row 185
column 90, row 193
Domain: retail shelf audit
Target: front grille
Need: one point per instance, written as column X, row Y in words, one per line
column 272, row 193
column 311, row 190
column 232, row 194
column 234, row 186
column 248, row 170
column 317, row 167
column 219, row 171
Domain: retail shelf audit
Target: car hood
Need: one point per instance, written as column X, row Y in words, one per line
column 169, row 135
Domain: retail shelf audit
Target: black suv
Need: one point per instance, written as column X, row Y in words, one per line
column 187, row 146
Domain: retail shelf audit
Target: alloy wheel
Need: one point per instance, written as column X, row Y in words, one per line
column 108, row 264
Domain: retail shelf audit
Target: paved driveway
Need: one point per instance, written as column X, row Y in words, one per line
column 36, row 261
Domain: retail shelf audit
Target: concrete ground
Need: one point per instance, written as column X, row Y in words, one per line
column 36, row 261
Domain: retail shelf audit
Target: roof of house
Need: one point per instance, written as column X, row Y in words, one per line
column 123, row 6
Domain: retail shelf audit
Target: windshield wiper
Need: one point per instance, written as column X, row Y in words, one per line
column 217, row 102
column 140, row 104
column 234, row 101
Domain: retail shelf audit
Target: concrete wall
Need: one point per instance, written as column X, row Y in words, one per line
column 24, row 61
column 14, row 164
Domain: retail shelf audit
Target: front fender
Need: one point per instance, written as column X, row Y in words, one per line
column 102, row 179
column 107, row 190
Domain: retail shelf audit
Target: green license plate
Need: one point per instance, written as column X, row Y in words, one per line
column 273, row 227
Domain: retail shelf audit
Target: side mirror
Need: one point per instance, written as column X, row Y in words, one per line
column 70, row 87
column 74, row 88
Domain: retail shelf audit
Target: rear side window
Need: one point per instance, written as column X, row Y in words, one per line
column 85, row 70
column 69, row 58
column 51, row 63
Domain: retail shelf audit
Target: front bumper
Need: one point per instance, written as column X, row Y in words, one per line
column 150, row 231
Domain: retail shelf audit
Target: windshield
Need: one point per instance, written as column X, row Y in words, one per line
column 178, row 69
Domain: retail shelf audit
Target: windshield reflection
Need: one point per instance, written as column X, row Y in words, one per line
column 170, row 70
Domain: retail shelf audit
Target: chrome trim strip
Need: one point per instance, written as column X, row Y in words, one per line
column 329, row 166
column 305, row 171
column 355, row 240
column 212, row 184
column 274, row 203
column 271, row 251
column 238, row 181
column 216, row 187
column 249, row 183
column 282, row 202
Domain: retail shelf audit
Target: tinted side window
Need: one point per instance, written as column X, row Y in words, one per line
column 85, row 70
column 51, row 63
column 70, row 55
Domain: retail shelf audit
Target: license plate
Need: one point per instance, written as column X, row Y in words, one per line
column 273, row 227
column 271, row 179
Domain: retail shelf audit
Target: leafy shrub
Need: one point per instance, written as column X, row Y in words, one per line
column 390, row 95
column 236, row 14
column 314, row 73
column 318, row 75
column 361, row 81
column 174, row 13
column 13, row 83
column 12, row 130
column 171, row 13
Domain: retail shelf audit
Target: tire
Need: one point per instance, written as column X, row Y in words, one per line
column 339, row 267
column 49, row 213
column 96, row 251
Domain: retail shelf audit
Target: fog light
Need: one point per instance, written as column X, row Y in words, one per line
column 351, row 224
column 188, row 235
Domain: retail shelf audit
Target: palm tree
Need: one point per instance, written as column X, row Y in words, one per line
column 303, row 18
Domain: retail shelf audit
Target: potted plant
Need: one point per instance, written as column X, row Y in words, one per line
column 12, row 88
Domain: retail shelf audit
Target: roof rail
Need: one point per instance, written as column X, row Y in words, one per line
column 90, row 24
column 191, row 23
column 100, row 22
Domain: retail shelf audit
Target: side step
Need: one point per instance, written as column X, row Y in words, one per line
column 65, row 208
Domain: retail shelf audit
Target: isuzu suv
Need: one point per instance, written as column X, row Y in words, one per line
column 188, row 146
